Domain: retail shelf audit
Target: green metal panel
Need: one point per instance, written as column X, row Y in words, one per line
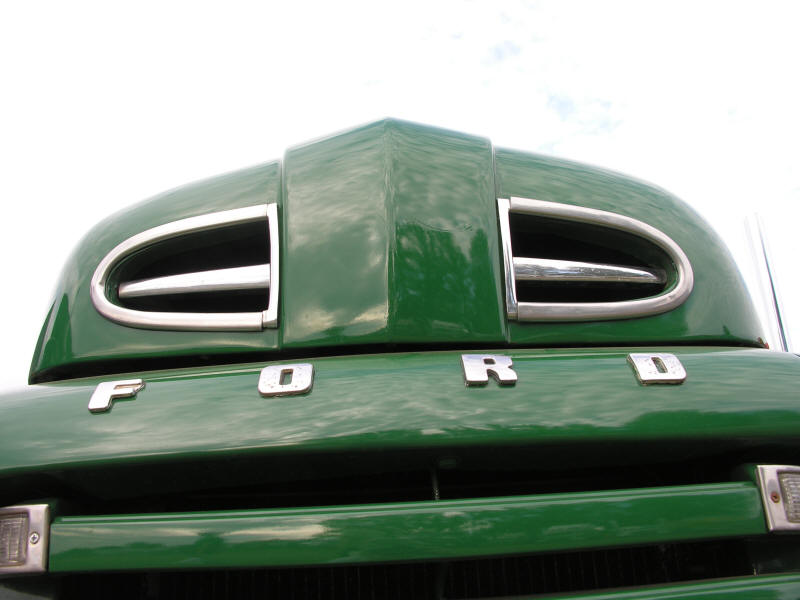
column 565, row 402
column 390, row 236
column 773, row 587
column 447, row 283
column 718, row 308
column 337, row 239
column 428, row 530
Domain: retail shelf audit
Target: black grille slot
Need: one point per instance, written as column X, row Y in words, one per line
column 595, row 570
column 229, row 485
column 211, row 302
column 231, row 246
column 482, row 578
column 530, row 291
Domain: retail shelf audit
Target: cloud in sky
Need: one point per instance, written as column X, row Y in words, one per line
column 106, row 104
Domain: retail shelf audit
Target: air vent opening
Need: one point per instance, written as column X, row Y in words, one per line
column 213, row 272
column 557, row 240
column 230, row 250
column 232, row 246
column 564, row 262
column 584, row 292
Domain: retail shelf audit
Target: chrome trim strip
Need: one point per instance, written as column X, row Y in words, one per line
column 38, row 538
column 503, row 206
column 544, row 269
column 253, row 321
column 269, row 318
column 254, row 277
column 591, row 311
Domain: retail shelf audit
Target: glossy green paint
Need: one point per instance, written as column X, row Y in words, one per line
column 389, row 235
column 455, row 528
column 335, row 232
column 570, row 407
column 772, row 587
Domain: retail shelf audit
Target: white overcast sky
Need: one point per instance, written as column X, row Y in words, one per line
column 106, row 103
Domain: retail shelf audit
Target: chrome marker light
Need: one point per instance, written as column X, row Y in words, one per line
column 780, row 493
column 24, row 536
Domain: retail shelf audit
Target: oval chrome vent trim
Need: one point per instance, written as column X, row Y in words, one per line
column 249, row 277
column 550, row 270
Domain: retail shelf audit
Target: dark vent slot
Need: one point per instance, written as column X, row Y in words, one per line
column 482, row 578
column 597, row 569
column 232, row 485
column 536, row 237
column 530, row 291
column 221, row 248
column 232, row 247
column 211, row 302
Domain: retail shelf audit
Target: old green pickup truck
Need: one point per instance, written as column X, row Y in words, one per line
column 403, row 363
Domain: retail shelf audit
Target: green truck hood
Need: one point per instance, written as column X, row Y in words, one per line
column 389, row 239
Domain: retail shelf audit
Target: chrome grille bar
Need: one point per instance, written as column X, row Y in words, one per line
column 253, row 277
column 543, row 269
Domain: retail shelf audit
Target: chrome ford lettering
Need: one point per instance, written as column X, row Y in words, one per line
column 478, row 367
column 286, row 380
column 657, row 368
column 104, row 395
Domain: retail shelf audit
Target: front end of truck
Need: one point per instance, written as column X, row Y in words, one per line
column 399, row 363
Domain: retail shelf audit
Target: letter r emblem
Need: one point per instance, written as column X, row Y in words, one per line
column 478, row 367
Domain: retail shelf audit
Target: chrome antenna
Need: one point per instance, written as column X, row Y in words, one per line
column 760, row 249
